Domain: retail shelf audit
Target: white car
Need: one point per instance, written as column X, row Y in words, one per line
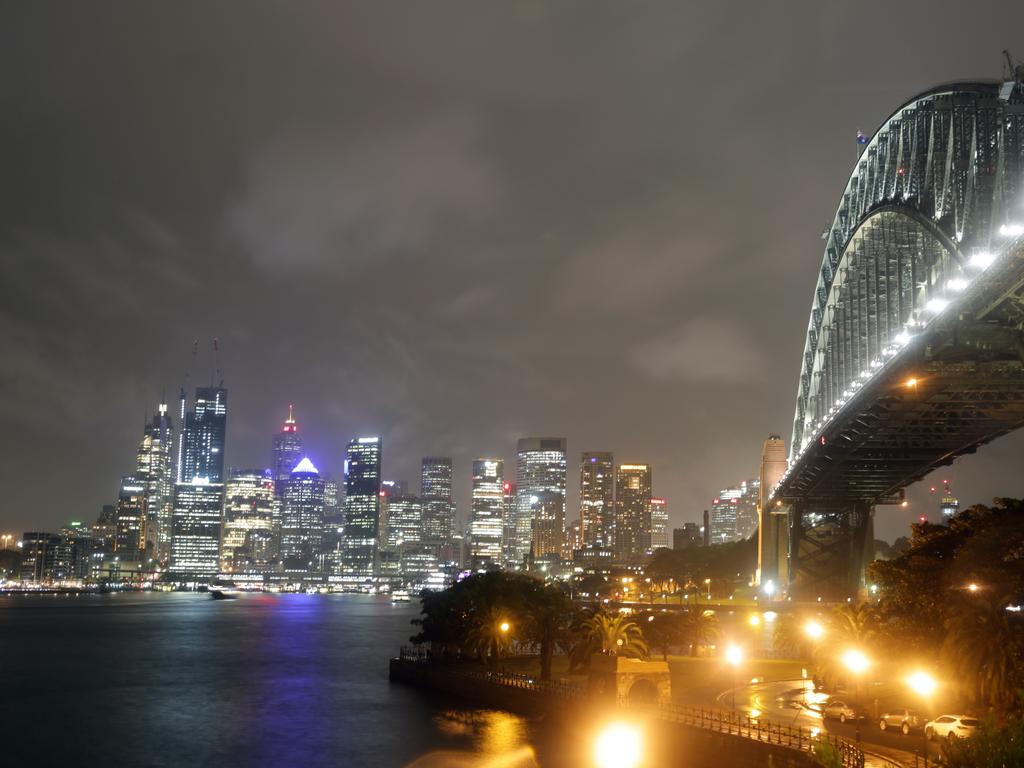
column 951, row 727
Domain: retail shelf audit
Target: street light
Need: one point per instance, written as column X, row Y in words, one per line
column 857, row 663
column 734, row 655
column 923, row 685
column 708, row 582
column 972, row 587
column 504, row 626
column 618, row 746
column 814, row 630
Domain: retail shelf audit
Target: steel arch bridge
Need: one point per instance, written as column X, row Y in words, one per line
column 915, row 344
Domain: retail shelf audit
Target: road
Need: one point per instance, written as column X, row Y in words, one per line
column 795, row 703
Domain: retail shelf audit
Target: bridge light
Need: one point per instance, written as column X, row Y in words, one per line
column 957, row 284
column 981, row 260
column 1011, row 230
column 902, row 338
column 910, row 383
column 936, row 305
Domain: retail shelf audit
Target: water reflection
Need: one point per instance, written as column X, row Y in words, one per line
column 499, row 739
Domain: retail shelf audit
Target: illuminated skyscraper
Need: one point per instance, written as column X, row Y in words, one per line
column 540, row 468
column 508, row 531
column 155, row 469
column 362, row 512
column 734, row 512
column 632, row 511
column 248, row 542
column 130, row 520
column 302, row 518
column 436, row 498
column 547, row 511
column 597, row 498
column 950, row 504
column 660, row 536
column 199, row 491
column 486, row 527
column 286, row 453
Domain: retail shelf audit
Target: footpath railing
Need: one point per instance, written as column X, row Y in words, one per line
column 717, row 721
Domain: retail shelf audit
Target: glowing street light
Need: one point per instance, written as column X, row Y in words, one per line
column 910, row 383
column 814, row 630
column 734, row 655
column 619, row 745
column 855, row 661
column 923, row 685
column 504, row 627
column 972, row 587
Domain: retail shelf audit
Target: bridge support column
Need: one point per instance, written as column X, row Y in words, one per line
column 830, row 543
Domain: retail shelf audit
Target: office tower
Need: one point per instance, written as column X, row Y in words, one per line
column 417, row 558
column 155, row 469
column 547, row 511
column 540, row 469
column 104, row 530
column 734, row 512
column 950, row 504
column 487, row 524
column 508, row 527
column 78, row 541
column 597, row 497
column 302, row 518
column 286, row 452
column 334, row 520
column 773, row 520
column 130, row 520
column 362, row 512
column 38, row 556
column 705, row 530
column 249, row 539
column 436, row 499
column 632, row 511
column 199, row 491
column 686, row 537
column 659, row 525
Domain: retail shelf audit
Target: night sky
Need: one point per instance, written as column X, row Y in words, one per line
column 451, row 225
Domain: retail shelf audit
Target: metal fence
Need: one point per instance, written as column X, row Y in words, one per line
column 717, row 721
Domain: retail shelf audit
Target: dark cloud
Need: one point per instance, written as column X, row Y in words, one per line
column 452, row 224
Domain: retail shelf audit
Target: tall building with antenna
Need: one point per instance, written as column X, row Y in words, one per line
column 199, row 490
column 287, row 451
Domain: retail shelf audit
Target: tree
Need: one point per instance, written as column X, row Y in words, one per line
column 984, row 646
column 548, row 614
column 490, row 635
column 663, row 630
column 699, row 627
column 611, row 634
column 991, row 746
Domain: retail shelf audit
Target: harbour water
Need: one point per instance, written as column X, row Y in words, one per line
column 151, row 679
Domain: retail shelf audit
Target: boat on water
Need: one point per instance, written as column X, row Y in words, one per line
column 400, row 596
column 223, row 593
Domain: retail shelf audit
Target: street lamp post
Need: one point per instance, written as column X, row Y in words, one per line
column 923, row 685
column 734, row 655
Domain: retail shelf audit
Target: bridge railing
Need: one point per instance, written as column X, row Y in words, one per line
column 708, row 719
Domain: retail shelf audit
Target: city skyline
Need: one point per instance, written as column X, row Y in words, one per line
column 660, row 216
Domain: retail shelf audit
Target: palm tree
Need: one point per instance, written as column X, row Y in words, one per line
column 849, row 627
column 699, row 627
column 664, row 631
column 490, row 634
column 549, row 612
column 617, row 635
column 791, row 637
column 984, row 648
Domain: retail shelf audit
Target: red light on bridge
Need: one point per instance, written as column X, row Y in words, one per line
column 922, row 519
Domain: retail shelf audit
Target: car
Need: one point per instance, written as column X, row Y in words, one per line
column 951, row 727
column 902, row 720
column 841, row 711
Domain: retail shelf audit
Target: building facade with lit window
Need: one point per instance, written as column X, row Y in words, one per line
column 154, row 467
column 249, row 540
column 286, row 452
column 540, row 468
column 660, row 536
column 488, row 501
column 130, row 520
column 437, row 501
column 362, row 513
column 733, row 515
column 547, row 511
column 302, row 518
column 632, row 511
column 199, row 490
column 597, row 498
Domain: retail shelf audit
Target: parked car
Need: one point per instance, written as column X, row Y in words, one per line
column 902, row 720
column 951, row 727
column 841, row 711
